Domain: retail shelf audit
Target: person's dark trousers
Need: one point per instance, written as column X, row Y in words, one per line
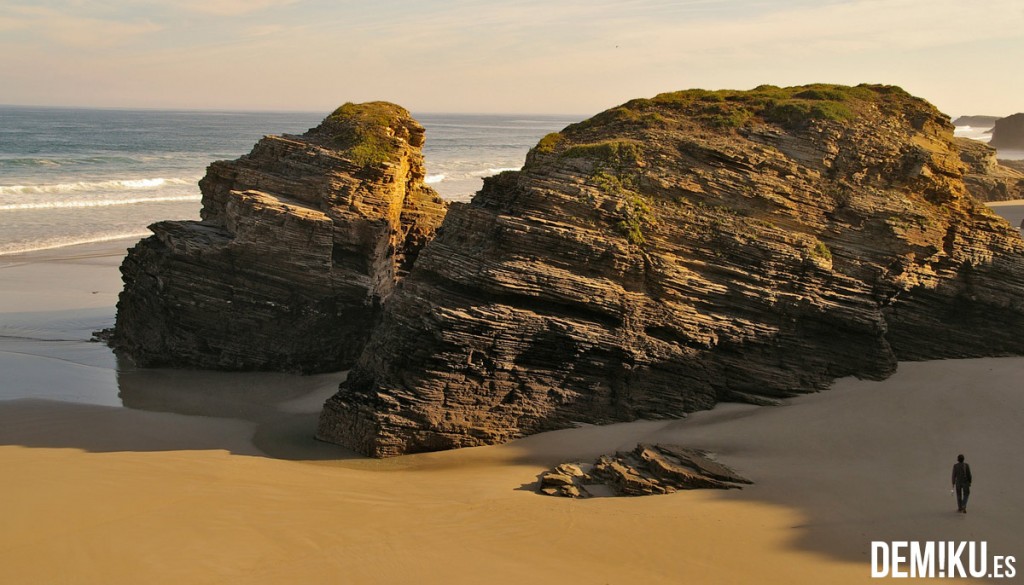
column 962, row 493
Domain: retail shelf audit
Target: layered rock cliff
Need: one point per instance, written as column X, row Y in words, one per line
column 986, row 177
column 683, row 250
column 300, row 242
column 1008, row 132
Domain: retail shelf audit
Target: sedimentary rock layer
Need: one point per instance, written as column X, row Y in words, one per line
column 987, row 178
column 683, row 250
column 300, row 242
column 647, row 470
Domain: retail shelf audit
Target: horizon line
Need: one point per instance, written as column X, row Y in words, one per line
column 276, row 111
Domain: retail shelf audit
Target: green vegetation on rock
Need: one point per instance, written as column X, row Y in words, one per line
column 635, row 211
column 617, row 153
column 366, row 131
column 549, row 143
column 820, row 250
column 638, row 216
column 790, row 107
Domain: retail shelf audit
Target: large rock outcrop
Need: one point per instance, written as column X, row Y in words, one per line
column 683, row 250
column 299, row 244
column 987, row 178
column 1008, row 132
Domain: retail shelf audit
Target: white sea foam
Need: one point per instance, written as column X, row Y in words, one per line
column 981, row 133
column 50, row 244
column 111, row 185
column 493, row 171
column 96, row 202
column 466, row 175
column 28, row 162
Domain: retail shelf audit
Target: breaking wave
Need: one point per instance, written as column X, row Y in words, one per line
column 83, row 186
column 491, row 172
column 96, row 202
column 457, row 176
column 25, row 247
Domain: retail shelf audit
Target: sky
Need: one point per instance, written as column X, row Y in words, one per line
column 484, row 56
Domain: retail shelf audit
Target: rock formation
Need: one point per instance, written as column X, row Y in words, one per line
column 683, row 250
column 1008, row 132
column 299, row 244
column 646, row 470
column 987, row 178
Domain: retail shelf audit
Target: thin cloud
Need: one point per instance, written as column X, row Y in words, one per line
column 232, row 7
column 75, row 31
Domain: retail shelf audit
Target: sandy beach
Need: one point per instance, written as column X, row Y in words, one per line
column 113, row 474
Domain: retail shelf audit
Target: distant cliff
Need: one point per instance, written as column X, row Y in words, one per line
column 299, row 244
column 976, row 121
column 1008, row 132
column 683, row 250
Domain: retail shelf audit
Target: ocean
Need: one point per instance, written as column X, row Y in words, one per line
column 76, row 176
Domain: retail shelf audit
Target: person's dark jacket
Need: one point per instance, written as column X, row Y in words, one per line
column 962, row 474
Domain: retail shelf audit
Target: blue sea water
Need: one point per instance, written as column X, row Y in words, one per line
column 71, row 176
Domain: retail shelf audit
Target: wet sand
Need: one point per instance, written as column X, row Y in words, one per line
column 117, row 475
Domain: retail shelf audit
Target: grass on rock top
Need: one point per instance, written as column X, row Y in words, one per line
column 614, row 142
column 790, row 107
column 366, row 131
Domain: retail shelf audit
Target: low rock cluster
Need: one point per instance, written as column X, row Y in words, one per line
column 644, row 471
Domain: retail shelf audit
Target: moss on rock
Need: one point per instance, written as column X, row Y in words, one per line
column 368, row 133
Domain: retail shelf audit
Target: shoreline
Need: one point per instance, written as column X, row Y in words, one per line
column 116, row 247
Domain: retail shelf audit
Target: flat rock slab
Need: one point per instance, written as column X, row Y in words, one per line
column 644, row 471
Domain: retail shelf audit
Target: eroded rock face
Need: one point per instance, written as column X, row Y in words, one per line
column 987, row 178
column 300, row 242
column 683, row 250
column 1008, row 132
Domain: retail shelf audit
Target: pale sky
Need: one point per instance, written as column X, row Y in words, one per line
column 531, row 56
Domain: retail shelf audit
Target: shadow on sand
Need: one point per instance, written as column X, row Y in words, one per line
column 246, row 413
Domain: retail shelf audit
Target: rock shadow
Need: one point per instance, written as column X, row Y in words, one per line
column 246, row 413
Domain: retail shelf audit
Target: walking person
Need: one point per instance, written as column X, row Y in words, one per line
column 961, row 483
